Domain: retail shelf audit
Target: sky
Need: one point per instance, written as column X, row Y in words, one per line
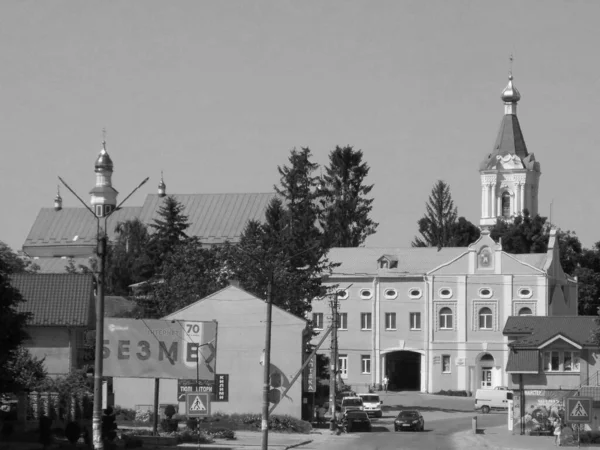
column 216, row 94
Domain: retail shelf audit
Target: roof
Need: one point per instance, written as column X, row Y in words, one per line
column 538, row 330
column 523, row 361
column 59, row 265
column 214, row 219
column 116, row 305
column 411, row 260
column 537, row 260
column 56, row 299
column 509, row 141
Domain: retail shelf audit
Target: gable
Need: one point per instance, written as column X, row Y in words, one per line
column 458, row 265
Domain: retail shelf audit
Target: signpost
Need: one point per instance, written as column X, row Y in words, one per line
column 579, row 409
column 197, row 404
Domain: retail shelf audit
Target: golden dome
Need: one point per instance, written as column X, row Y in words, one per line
column 510, row 94
column 104, row 162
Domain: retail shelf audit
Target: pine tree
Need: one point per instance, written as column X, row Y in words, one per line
column 169, row 230
column 440, row 216
column 345, row 210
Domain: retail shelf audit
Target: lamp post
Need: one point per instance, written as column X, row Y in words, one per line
column 101, row 251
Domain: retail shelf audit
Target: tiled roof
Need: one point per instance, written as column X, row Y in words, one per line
column 411, row 260
column 71, row 228
column 214, row 218
column 523, row 361
column 536, row 330
column 58, row 265
column 56, row 299
column 509, row 141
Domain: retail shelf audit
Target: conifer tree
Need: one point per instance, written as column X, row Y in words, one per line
column 440, row 216
column 169, row 230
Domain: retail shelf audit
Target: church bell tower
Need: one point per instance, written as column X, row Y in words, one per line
column 104, row 196
column 510, row 175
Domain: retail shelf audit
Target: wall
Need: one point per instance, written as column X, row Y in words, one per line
column 55, row 344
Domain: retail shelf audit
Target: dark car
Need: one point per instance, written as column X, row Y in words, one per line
column 357, row 420
column 409, row 420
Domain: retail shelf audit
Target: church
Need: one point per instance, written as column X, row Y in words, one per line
column 432, row 320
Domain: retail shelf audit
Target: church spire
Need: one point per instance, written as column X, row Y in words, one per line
column 162, row 187
column 104, row 196
column 510, row 94
column 57, row 200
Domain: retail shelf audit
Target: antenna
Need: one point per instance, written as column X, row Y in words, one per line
column 551, row 204
column 510, row 65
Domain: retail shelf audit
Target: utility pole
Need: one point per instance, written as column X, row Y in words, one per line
column 267, row 370
column 333, row 369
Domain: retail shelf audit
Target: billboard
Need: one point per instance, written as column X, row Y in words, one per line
column 153, row 348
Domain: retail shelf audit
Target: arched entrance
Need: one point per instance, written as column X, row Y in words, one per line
column 403, row 369
column 488, row 373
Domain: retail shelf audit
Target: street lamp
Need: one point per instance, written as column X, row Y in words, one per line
column 101, row 251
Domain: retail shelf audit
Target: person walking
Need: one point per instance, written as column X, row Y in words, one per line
column 385, row 383
column 557, row 431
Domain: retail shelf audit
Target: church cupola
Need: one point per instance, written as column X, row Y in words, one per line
column 104, row 196
column 509, row 174
column 57, row 200
column 162, row 187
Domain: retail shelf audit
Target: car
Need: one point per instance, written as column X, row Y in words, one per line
column 372, row 404
column 357, row 420
column 352, row 404
column 409, row 419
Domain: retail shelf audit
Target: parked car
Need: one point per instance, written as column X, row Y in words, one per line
column 352, row 404
column 409, row 420
column 356, row 420
column 489, row 399
column 372, row 404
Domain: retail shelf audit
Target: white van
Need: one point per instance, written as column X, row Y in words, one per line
column 352, row 404
column 372, row 404
column 488, row 399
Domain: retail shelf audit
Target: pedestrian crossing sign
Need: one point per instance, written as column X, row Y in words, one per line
column 579, row 409
column 197, row 404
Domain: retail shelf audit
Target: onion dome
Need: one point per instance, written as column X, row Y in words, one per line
column 104, row 162
column 57, row 200
column 510, row 94
column 162, row 187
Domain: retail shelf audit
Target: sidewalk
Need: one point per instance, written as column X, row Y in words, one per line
column 497, row 438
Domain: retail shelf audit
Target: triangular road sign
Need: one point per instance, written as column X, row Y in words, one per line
column 579, row 410
column 197, row 405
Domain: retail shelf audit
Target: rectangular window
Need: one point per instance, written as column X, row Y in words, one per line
column 343, row 365
column 390, row 321
column 445, row 363
column 365, row 321
column 317, row 321
column 565, row 361
column 343, row 321
column 571, row 362
column 365, row 363
column 552, row 361
column 415, row 321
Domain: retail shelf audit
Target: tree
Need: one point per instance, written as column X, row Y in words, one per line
column 169, row 230
column 525, row 234
column 463, row 233
column 15, row 263
column 345, row 210
column 440, row 215
column 12, row 325
column 28, row 372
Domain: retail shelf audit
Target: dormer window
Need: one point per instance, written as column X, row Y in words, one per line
column 388, row 262
column 384, row 264
column 415, row 293
column 342, row 294
column 366, row 294
column 445, row 293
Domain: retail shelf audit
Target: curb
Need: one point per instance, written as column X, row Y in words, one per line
column 299, row 444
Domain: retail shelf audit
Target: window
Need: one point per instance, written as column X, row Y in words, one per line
column 565, row 361
column 525, row 312
column 485, row 292
column 343, row 365
column 390, row 321
column 365, row 321
column 415, row 321
column 342, row 294
column 383, row 264
column 506, row 204
column 342, row 321
column 415, row 293
column 445, row 319
column 366, row 294
column 365, row 363
column 317, row 321
column 445, row 292
column 445, row 363
column 485, row 319
column 390, row 293
column 525, row 292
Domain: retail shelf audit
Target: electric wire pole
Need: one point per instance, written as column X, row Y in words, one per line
column 333, row 364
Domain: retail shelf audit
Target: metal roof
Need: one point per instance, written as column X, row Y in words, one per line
column 536, row 330
column 56, row 299
column 508, row 141
column 523, row 361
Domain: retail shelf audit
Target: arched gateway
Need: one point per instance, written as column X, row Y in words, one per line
column 403, row 369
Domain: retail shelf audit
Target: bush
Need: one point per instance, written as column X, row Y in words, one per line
column 124, row 414
column 143, row 415
column 191, row 424
column 72, row 432
column 170, row 411
column 452, row 393
column 276, row 423
column 189, row 436
column 221, row 433
column 169, row 425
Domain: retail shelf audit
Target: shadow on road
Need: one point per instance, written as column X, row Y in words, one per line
column 379, row 429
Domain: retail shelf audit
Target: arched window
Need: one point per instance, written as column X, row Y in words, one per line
column 506, row 204
column 525, row 312
column 445, row 319
column 485, row 319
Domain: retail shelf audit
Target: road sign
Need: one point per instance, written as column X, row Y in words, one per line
column 579, row 409
column 197, row 404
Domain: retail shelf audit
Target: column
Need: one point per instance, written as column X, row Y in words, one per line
column 493, row 200
column 522, row 186
column 486, row 199
column 499, row 205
